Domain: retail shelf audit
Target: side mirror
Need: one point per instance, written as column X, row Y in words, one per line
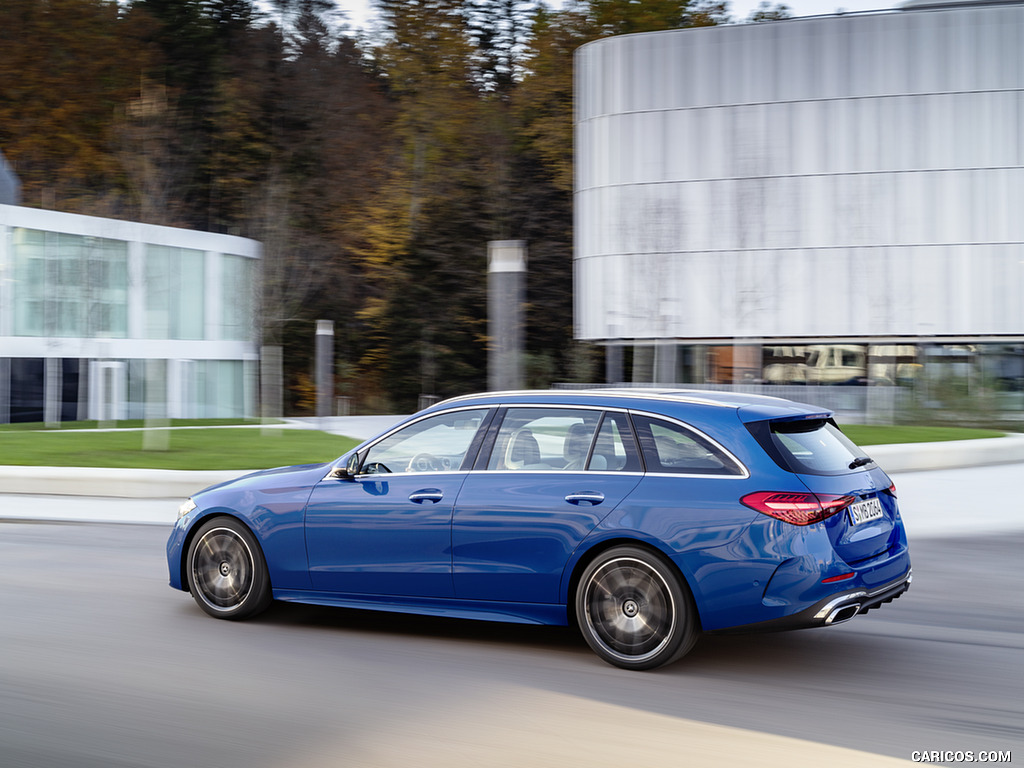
column 347, row 472
column 352, row 468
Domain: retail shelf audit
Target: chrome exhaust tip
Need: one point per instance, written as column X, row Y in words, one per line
column 842, row 614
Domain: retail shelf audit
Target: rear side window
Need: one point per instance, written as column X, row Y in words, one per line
column 544, row 439
column 674, row 449
column 813, row 447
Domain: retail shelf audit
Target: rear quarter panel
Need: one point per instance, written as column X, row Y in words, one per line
column 699, row 522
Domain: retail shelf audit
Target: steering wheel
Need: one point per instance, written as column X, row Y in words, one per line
column 424, row 462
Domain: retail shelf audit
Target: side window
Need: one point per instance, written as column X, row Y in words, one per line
column 435, row 444
column 672, row 448
column 544, row 439
column 615, row 449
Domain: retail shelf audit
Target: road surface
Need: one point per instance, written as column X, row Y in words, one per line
column 102, row 665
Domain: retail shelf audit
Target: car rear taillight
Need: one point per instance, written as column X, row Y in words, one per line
column 797, row 508
column 891, row 490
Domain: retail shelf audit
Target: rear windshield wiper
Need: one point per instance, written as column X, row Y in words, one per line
column 861, row 461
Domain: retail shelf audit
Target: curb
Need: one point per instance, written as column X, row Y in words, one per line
column 115, row 482
column 171, row 483
column 953, row 454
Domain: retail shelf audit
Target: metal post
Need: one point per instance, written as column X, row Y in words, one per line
column 271, row 389
column 53, row 390
column 506, row 291
column 324, row 367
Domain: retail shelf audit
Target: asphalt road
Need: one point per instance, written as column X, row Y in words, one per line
column 102, row 665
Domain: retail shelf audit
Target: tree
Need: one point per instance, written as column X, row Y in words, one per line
column 65, row 68
column 765, row 11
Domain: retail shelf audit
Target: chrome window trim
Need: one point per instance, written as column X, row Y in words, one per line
column 382, row 477
column 745, row 473
column 565, row 406
column 580, row 472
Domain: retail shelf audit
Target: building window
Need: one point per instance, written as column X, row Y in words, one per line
column 174, row 290
column 237, row 298
column 70, row 285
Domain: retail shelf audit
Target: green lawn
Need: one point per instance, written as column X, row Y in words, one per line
column 864, row 435
column 188, row 448
column 228, row 448
column 128, row 424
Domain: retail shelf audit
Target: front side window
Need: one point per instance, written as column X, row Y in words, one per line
column 434, row 444
column 671, row 448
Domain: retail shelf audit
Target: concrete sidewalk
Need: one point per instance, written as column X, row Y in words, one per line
column 967, row 501
column 945, row 489
column 169, row 483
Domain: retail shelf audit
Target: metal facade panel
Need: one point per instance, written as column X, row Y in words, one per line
column 876, row 160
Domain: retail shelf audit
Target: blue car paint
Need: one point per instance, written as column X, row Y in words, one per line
column 509, row 556
column 367, row 537
column 272, row 503
column 514, row 531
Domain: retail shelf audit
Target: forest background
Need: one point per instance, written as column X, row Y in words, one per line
column 373, row 166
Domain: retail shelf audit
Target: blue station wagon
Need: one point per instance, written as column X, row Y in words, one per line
column 644, row 517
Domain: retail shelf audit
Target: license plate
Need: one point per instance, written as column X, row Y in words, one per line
column 865, row 511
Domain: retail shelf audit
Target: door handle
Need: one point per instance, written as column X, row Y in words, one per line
column 585, row 497
column 427, row 494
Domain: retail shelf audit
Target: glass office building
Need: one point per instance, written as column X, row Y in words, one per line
column 852, row 179
column 106, row 319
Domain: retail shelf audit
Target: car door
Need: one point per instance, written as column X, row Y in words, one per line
column 547, row 478
column 387, row 530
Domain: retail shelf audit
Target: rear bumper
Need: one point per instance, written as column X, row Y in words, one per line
column 834, row 609
column 844, row 607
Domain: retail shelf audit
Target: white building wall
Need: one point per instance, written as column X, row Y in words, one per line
column 846, row 176
column 222, row 354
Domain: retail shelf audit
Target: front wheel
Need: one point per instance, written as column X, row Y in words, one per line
column 227, row 574
column 634, row 611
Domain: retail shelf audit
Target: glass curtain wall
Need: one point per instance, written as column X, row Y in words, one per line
column 238, row 299
column 174, row 280
column 69, row 285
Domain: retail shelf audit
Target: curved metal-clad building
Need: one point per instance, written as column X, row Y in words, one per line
column 855, row 176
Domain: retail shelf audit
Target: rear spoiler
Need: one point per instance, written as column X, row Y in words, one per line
column 795, row 412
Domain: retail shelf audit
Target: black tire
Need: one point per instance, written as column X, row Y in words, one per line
column 226, row 572
column 633, row 609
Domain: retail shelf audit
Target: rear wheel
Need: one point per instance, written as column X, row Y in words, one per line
column 227, row 574
column 634, row 611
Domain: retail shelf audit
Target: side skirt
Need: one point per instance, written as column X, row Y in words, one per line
column 482, row 610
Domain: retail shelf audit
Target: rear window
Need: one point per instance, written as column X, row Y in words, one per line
column 812, row 447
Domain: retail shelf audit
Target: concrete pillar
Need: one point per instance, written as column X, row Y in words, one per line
column 53, row 391
column 506, row 292
column 324, row 367
column 613, row 373
column 5, row 390
column 271, row 378
column 665, row 363
column 643, row 364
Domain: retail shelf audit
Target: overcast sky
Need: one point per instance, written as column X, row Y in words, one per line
column 359, row 13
